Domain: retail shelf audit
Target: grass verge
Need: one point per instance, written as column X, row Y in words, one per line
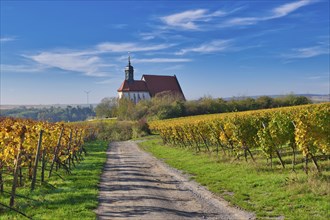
column 268, row 193
column 75, row 197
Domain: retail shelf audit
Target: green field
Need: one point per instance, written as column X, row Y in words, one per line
column 74, row 197
column 270, row 193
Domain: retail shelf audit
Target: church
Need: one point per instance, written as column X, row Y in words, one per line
column 148, row 86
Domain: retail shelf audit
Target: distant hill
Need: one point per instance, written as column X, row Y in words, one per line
column 50, row 113
column 313, row 97
column 6, row 107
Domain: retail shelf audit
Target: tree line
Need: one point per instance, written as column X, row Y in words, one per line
column 52, row 114
column 162, row 106
column 167, row 105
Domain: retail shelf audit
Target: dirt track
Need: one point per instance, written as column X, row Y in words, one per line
column 135, row 185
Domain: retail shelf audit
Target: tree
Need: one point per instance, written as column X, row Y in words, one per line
column 107, row 108
column 265, row 102
column 125, row 109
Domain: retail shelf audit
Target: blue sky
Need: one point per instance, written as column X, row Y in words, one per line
column 51, row 52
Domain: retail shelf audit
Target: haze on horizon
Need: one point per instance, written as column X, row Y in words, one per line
column 51, row 52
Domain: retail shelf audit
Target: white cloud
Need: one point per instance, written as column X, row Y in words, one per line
column 308, row 52
column 285, row 9
column 129, row 47
column 89, row 65
column 22, row 68
column 157, row 33
column 243, row 21
column 91, row 61
column 161, row 60
column 7, row 39
column 213, row 46
column 188, row 19
column 277, row 12
column 318, row 77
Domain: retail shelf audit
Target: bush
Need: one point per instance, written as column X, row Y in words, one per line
column 122, row 130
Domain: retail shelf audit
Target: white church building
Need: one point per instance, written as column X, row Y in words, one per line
column 148, row 86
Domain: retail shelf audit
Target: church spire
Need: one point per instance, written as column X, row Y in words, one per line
column 129, row 71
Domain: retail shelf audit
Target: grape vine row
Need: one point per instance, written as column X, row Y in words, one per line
column 305, row 129
column 24, row 142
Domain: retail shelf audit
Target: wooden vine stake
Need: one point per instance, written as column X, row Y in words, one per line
column 43, row 165
column 69, row 150
column 1, row 179
column 56, row 152
column 17, row 166
column 35, row 168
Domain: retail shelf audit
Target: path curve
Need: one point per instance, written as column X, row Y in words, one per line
column 135, row 185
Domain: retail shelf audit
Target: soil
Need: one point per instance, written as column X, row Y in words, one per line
column 135, row 185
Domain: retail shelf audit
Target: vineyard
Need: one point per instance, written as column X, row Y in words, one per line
column 27, row 146
column 303, row 130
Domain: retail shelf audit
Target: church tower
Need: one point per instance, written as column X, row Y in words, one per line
column 129, row 71
column 148, row 86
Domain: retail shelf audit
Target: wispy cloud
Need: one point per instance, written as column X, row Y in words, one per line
column 153, row 34
column 213, row 46
column 129, row 47
column 22, row 68
column 89, row 65
column 162, row 60
column 317, row 77
column 285, row 9
column 307, row 52
column 7, row 39
column 277, row 12
column 92, row 62
column 189, row 20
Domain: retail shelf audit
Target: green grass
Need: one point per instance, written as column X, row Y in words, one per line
column 267, row 192
column 75, row 197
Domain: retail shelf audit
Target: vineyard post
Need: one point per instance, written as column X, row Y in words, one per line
column 20, row 176
column 35, row 168
column 81, row 147
column 69, row 149
column 315, row 163
column 245, row 153
column 280, row 158
column 56, row 152
column 293, row 146
column 43, row 165
column 294, row 155
column 17, row 166
column 75, row 152
column 1, row 180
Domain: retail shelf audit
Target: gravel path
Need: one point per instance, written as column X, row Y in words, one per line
column 135, row 185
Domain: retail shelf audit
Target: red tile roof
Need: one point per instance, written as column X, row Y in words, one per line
column 153, row 84
column 135, row 86
column 157, row 84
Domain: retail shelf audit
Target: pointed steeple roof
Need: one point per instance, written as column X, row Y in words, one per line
column 129, row 71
